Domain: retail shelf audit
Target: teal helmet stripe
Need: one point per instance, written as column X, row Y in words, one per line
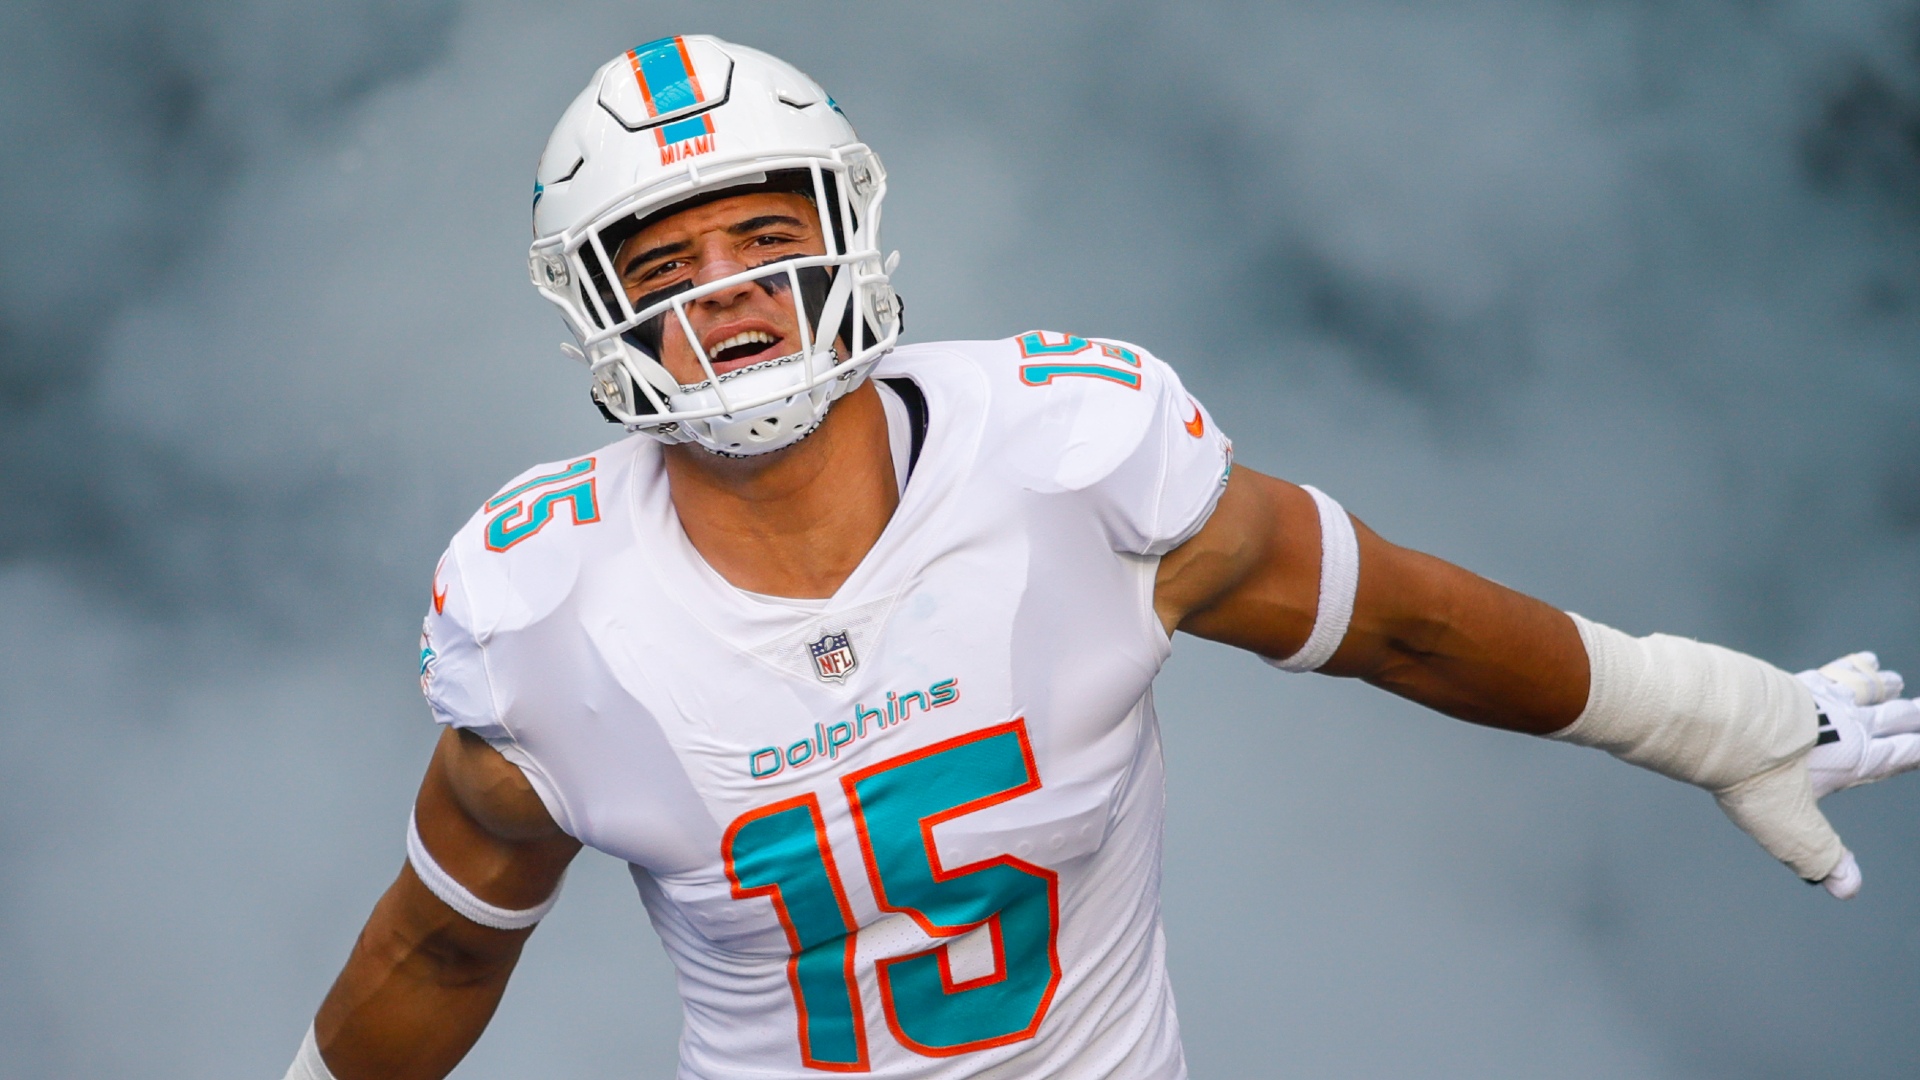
column 667, row 81
column 666, row 77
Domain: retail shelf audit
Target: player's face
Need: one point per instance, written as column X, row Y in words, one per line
column 746, row 323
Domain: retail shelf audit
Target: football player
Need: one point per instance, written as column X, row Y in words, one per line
column 847, row 648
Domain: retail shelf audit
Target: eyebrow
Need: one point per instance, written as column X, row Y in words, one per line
column 740, row 228
column 755, row 224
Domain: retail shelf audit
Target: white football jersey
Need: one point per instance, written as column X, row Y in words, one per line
column 913, row 829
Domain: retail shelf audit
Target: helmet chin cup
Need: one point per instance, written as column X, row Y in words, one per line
column 773, row 425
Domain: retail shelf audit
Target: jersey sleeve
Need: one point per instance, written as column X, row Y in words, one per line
column 453, row 666
column 1168, row 480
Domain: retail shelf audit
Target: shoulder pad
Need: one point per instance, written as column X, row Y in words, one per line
column 520, row 553
column 1071, row 408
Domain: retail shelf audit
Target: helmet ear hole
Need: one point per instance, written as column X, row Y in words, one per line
column 873, row 332
column 601, row 404
column 617, row 388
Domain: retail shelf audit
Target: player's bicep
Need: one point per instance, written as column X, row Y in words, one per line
column 484, row 824
column 1251, row 576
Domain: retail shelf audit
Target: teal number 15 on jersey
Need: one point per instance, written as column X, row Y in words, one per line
column 781, row 852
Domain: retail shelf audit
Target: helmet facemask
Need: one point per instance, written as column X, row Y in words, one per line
column 838, row 304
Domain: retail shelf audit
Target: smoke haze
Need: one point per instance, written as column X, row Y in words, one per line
column 1618, row 303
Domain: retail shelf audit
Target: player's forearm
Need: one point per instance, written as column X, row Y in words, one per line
column 1420, row 627
column 1457, row 643
column 417, row 990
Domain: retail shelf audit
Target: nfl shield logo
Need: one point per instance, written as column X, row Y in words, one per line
column 832, row 656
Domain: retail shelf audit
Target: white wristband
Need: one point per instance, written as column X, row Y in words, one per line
column 307, row 1064
column 460, row 898
column 1339, row 581
column 1719, row 719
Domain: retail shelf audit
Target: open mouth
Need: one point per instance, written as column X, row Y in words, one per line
column 745, row 347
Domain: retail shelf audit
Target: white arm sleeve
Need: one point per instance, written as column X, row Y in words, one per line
column 1734, row 725
column 307, row 1064
column 1339, row 581
column 460, row 898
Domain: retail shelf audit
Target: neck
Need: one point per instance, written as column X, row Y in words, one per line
column 795, row 522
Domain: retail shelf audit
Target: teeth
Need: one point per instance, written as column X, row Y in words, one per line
column 745, row 337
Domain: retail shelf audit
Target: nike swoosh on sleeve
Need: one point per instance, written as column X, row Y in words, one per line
column 1197, row 426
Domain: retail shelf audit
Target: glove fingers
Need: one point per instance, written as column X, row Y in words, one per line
column 1864, row 663
column 1892, row 684
column 1896, row 717
column 1890, row 756
column 1844, row 882
column 1860, row 673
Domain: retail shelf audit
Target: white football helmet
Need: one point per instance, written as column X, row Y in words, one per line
column 673, row 122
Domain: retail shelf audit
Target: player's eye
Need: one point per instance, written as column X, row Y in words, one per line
column 769, row 240
column 656, row 272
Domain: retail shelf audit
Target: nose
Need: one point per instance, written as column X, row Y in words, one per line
column 717, row 260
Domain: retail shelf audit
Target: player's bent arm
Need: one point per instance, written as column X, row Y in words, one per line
column 424, row 979
column 1420, row 627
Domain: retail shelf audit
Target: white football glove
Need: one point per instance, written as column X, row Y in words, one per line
column 1868, row 732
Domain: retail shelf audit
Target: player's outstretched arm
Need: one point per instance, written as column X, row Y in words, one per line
column 1765, row 743
column 423, row 979
column 1420, row 627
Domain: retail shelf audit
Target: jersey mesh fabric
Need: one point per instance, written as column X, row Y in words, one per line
column 1003, row 621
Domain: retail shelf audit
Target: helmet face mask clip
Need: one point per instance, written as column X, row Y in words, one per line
column 833, row 314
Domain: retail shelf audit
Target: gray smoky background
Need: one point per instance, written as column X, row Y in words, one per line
column 1617, row 302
